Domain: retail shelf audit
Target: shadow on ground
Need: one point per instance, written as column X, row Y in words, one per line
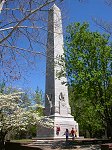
column 69, row 145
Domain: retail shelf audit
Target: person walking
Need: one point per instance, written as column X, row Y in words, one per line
column 67, row 134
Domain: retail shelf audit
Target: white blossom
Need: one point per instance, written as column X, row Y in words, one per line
column 14, row 115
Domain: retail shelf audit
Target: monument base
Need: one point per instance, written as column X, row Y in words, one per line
column 61, row 123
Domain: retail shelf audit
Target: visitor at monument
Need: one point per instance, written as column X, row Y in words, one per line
column 73, row 132
column 66, row 134
column 57, row 130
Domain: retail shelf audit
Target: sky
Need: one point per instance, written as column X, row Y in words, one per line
column 72, row 11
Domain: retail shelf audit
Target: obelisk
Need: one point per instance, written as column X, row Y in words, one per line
column 56, row 94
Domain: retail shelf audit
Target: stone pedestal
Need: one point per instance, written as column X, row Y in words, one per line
column 61, row 122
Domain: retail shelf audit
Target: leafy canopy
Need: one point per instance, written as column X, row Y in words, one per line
column 88, row 66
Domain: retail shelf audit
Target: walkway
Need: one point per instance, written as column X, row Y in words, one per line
column 85, row 144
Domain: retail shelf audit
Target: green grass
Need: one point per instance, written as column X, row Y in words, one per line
column 22, row 141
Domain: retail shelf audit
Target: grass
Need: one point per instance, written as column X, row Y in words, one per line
column 22, row 141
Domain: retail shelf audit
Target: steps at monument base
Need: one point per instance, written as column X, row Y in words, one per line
column 61, row 145
column 77, row 141
column 42, row 143
column 70, row 144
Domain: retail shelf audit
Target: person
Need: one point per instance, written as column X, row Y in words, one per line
column 57, row 130
column 67, row 134
column 73, row 133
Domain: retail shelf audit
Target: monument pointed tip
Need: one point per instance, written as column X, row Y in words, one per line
column 55, row 7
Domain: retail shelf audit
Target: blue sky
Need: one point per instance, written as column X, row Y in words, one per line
column 85, row 11
column 72, row 11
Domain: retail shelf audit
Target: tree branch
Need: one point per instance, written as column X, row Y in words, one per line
column 26, row 17
column 23, row 49
column 30, row 27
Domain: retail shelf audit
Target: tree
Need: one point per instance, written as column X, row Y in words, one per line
column 83, row 111
column 88, row 61
column 35, row 98
column 2, row 87
column 22, row 29
column 16, row 115
column 38, row 96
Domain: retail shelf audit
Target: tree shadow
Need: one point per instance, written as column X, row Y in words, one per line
column 69, row 145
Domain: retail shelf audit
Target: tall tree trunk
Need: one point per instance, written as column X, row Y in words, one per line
column 109, row 130
column 90, row 133
column 2, row 140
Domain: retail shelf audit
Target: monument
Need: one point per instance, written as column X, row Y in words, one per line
column 56, row 94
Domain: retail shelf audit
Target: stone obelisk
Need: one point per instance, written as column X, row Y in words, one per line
column 56, row 102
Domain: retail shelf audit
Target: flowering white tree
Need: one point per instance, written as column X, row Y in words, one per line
column 14, row 115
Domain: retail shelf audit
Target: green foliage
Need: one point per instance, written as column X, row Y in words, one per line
column 38, row 96
column 38, row 99
column 2, row 87
column 85, row 114
column 88, row 61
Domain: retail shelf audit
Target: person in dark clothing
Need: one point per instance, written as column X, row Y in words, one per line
column 67, row 134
